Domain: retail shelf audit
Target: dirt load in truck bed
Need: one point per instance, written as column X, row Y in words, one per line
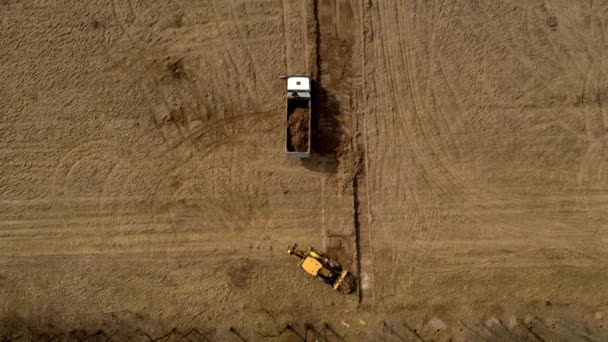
column 297, row 127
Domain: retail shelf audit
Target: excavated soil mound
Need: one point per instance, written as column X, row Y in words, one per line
column 297, row 127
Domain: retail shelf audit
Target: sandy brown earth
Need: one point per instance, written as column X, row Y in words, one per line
column 460, row 170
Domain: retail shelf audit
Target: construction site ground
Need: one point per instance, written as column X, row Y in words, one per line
column 460, row 169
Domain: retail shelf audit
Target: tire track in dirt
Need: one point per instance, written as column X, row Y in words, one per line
column 593, row 168
column 407, row 55
column 451, row 105
column 431, row 128
column 426, row 215
column 181, row 118
column 509, row 46
column 209, row 140
column 562, row 66
column 171, row 86
column 118, row 13
column 64, row 198
column 590, row 108
column 533, row 19
column 237, row 209
column 296, row 33
column 247, row 49
column 484, row 27
column 121, row 182
column 131, row 19
column 517, row 48
column 171, row 94
column 418, row 105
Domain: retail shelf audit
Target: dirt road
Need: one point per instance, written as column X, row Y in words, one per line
column 459, row 169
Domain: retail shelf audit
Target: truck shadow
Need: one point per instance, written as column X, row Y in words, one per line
column 326, row 131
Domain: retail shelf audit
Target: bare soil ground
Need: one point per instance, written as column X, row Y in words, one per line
column 460, row 169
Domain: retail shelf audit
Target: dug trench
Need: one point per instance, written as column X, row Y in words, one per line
column 339, row 106
column 337, row 142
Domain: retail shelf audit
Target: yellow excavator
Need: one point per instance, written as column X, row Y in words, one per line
column 324, row 269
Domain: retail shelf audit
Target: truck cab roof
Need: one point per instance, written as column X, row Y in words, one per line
column 298, row 83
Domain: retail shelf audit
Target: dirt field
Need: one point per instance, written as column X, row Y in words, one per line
column 460, row 169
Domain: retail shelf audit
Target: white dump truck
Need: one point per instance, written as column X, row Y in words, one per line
column 299, row 115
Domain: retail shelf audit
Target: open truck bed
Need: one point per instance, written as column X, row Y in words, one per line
column 297, row 142
column 298, row 117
